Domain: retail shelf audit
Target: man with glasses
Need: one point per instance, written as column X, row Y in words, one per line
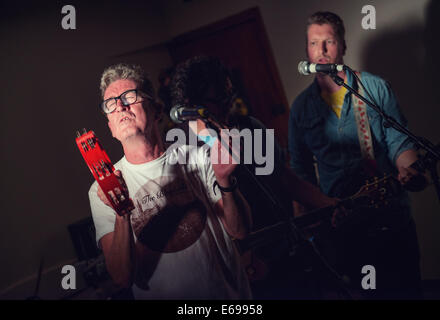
column 177, row 242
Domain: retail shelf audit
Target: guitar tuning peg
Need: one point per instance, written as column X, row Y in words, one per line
column 84, row 131
column 78, row 134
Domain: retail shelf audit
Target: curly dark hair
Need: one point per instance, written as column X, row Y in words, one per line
column 326, row 17
column 194, row 77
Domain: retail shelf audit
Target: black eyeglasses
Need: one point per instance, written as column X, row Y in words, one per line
column 128, row 97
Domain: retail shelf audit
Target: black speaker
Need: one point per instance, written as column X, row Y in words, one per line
column 83, row 235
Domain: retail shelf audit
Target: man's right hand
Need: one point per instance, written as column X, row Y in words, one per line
column 101, row 194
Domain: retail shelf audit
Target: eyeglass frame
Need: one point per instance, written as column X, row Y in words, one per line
column 137, row 91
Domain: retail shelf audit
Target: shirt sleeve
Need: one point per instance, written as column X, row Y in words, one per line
column 396, row 141
column 301, row 159
column 104, row 217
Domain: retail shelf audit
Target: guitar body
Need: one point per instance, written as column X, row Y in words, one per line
column 262, row 248
column 103, row 171
column 256, row 268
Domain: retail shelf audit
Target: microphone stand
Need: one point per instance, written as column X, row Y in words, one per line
column 432, row 156
column 299, row 239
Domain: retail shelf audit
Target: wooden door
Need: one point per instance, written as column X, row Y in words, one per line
column 240, row 41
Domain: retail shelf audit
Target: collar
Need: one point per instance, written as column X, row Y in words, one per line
column 315, row 90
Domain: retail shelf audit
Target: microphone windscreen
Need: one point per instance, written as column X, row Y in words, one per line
column 303, row 68
column 174, row 114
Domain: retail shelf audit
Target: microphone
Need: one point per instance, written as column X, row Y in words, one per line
column 182, row 113
column 306, row 68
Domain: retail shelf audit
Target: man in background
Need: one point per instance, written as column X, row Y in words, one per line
column 351, row 144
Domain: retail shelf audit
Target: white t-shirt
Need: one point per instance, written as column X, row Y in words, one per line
column 190, row 255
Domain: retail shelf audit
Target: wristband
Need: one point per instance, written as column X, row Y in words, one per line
column 233, row 186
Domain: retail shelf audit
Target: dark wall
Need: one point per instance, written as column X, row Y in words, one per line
column 408, row 58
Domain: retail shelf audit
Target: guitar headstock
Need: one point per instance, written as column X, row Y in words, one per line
column 377, row 191
column 103, row 171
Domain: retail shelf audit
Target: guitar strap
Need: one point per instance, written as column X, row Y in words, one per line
column 364, row 132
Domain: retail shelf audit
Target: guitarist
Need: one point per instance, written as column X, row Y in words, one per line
column 207, row 82
column 350, row 144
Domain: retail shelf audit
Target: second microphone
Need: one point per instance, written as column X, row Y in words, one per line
column 182, row 113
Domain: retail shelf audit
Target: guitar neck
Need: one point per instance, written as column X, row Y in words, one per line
column 372, row 194
column 314, row 216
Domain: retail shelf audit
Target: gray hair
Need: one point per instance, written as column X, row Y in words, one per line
column 123, row 71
